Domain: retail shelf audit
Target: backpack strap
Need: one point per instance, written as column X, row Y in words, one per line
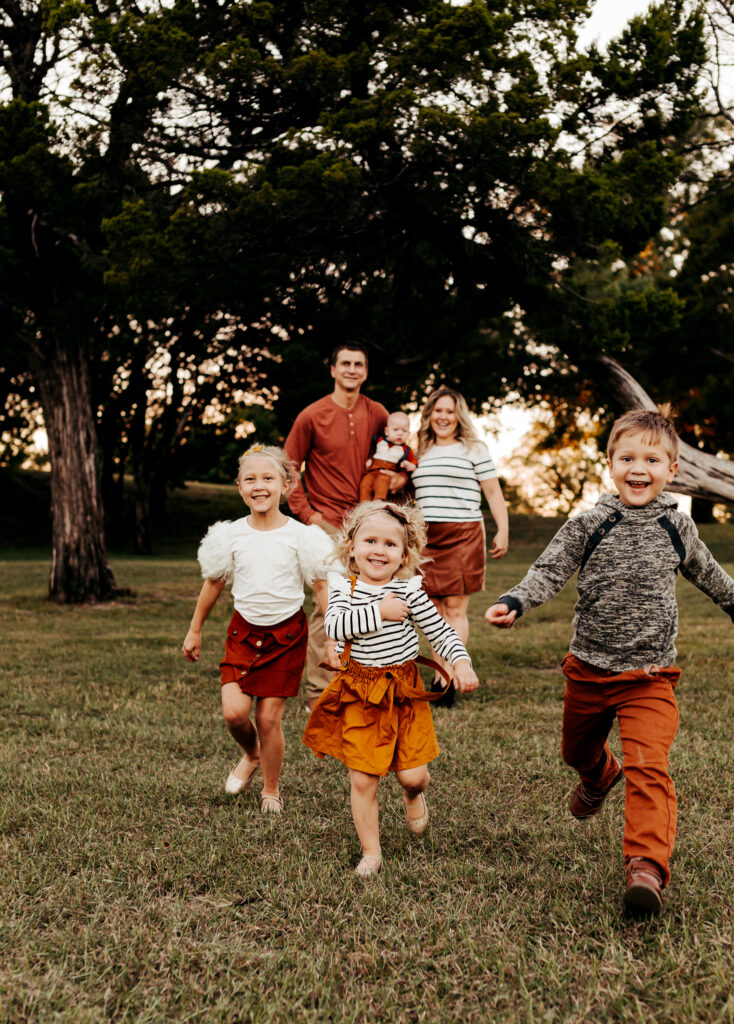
column 675, row 537
column 598, row 536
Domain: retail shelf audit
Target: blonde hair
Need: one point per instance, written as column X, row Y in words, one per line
column 285, row 466
column 657, row 424
column 409, row 517
column 465, row 430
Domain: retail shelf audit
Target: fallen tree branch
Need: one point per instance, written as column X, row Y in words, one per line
column 699, row 474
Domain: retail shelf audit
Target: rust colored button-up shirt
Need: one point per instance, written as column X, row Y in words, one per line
column 334, row 443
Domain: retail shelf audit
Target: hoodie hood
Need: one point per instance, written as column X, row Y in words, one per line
column 653, row 510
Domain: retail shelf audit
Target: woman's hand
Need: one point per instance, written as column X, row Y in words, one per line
column 393, row 609
column 500, row 544
column 192, row 645
column 500, row 615
column 464, row 676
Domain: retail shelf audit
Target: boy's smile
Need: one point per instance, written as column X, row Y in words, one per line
column 640, row 468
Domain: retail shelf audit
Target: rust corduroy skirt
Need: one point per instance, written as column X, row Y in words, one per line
column 265, row 661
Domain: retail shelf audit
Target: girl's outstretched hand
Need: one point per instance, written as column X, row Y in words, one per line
column 192, row 645
column 500, row 615
column 393, row 609
column 464, row 676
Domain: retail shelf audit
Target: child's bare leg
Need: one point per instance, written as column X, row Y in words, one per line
column 236, row 707
column 365, row 811
column 415, row 782
column 268, row 715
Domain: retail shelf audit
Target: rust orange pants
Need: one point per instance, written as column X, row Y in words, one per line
column 643, row 702
column 374, row 483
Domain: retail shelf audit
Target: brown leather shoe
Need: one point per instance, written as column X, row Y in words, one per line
column 644, row 893
column 587, row 800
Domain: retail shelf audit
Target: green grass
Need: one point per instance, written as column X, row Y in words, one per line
column 133, row 890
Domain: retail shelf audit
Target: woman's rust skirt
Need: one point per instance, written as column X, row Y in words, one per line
column 459, row 557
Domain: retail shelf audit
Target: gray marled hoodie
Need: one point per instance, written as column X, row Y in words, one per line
column 626, row 615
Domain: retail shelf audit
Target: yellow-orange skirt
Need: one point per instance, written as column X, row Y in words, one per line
column 375, row 720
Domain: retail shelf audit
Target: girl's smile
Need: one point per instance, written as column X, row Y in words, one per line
column 379, row 548
column 261, row 485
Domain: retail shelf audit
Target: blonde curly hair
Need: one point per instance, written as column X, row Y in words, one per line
column 465, row 429
column 409, row 517
column 285, row 466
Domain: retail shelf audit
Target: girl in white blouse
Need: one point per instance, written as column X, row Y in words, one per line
column 267, row 558
column 374, row 716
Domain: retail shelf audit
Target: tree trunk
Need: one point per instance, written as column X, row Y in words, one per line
column 79, row 569
column 699, row 474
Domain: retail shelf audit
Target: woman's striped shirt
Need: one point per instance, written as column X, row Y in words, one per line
column 447, row 482
column 356, row 617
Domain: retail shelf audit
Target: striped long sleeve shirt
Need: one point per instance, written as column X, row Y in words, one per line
column 356, row 617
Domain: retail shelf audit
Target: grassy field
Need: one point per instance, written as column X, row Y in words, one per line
column 134, row 890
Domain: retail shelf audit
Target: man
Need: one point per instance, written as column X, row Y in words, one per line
column 333, row 437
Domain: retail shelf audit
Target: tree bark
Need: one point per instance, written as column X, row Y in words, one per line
column 79, row 569
column 699, row 474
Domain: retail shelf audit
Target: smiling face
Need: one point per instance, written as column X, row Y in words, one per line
column 261, row 484
column 378, row 549
column 444, row 420
column 349, row 370
column 640, row 467
column 397, row 428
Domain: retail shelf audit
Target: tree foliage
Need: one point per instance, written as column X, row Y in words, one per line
column 200, row 199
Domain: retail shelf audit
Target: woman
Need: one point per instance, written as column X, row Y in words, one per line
column 454, row 469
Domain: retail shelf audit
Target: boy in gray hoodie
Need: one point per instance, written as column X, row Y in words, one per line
column 628, row 549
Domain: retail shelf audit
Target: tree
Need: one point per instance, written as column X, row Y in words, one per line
column 68, row 159
column 424, row 171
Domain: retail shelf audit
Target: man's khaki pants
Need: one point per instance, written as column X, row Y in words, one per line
column 317, row 679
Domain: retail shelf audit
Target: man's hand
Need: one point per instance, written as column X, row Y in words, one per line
column 397, row 480
column 393, row 609
column 500, row 615
column 318, row 520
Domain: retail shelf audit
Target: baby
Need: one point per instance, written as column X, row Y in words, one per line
column 389, row 452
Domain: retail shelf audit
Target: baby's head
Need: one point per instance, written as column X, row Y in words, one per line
column 407, row 523
column 642, row 454
column 265, row 459
column 397, row 428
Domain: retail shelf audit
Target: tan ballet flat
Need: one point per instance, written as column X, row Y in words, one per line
column 234, row 783
column 369, row 865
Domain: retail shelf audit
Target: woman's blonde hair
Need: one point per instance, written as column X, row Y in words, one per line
column 285, row 466
column 465, row 429
column 409, row 517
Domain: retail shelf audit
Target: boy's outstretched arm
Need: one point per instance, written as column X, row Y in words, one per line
column 548, row 574
column 208, row 595
column 500, row 615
